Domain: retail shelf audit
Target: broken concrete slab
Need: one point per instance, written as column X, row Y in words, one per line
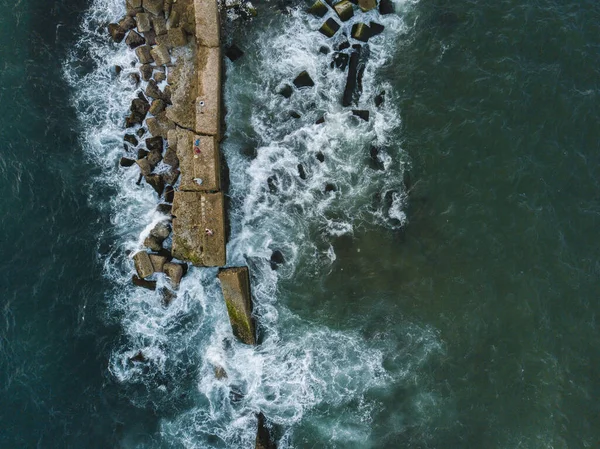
column 199, row 228
column 235, row 284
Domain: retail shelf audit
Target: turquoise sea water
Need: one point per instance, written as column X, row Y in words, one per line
column 443, row 296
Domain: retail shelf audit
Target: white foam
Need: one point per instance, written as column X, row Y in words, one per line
column 299, row 365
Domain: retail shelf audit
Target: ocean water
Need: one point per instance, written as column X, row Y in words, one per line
column 437, row 292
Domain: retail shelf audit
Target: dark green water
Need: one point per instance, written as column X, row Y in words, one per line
column 483, row 307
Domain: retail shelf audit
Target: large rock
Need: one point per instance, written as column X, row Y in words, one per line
column 134, row 40
column 159, row 125
column 329, row 28
column 116, row 32
column 174, row 272
column 263, row 437
column 344, row 10
column 143, row 22
column 208, row 103
column 143, row 54
column 158, row 261
column 150, row 285
column 367, row 5
column 361, row 32
column 235, row 284
column 153, row 6
column 153, row 91
column 157, row 182
column 143, row 265
column 208, row 23
column 199, row 162
column 134, row 3
column 195, row 213
column 176, row 37
column 160, row 25
column 386, row 7
column 161, row 55
column 304, row 80
column 154, row 144
column 318, row 9
column 157, row 106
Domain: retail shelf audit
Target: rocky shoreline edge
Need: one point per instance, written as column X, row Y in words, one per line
column 173, row 136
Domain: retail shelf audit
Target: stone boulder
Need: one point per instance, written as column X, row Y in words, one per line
column 263, row 436
column 134, row 40
column 143, row 265
column 318, row 9
column 161, row 55
column 158, row 261
column 144, row 55
column 160, row 25
column 329, row 28
column 174, row 272
column 344, row 10
column 143, row 22
column 235, row 284
column 137, row 281
column 154, row 144
column 116, row 32
column 304, row 80
column 156, row 182
column 361, row 32
column 367, row 5
column 153, row 6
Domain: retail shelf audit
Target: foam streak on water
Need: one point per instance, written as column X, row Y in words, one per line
column 300, row 366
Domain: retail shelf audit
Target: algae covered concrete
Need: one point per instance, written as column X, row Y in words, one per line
column 235, row 284
column 199, row 228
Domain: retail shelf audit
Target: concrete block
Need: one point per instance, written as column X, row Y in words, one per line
column 199, row 162
column 199, row 228
column 208, row 102
column 235, row 284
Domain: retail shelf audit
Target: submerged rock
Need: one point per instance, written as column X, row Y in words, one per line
column 376, row 28
column 150, row 285
column 329, row 28
column 320, row 156
column 386, row 7
column 138, row 282
column 330, row 187
column 351, row 81
column 233, row 52
column 301, row 171
column 286, row 91
column 263, row 437
column 126, row 162
column 380, row 98
column 340, row 61
column 303, row 80
column 361, row 114
column 320, row 120
column 276, row 259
